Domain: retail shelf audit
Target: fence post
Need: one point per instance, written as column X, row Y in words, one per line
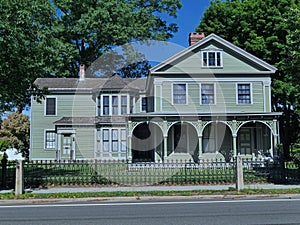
column 239, row 174
column 19, row 188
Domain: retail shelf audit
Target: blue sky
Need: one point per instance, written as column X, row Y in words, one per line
column 188, row 19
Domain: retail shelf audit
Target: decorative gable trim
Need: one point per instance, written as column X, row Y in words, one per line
column 171, row 61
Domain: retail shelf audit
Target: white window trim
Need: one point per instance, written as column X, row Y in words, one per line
column 110, row 153
column 110, row 109
column 186, row 93
column 214, row 51
column 45, row 139
column 200, row 88
column 45, row 105
column 141, row 105
column 237, row 96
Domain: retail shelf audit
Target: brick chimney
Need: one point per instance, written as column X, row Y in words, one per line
column 194, row 37
column 82, row 72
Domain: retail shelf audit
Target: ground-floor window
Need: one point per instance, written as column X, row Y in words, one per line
column 112, row 142
column 50, row 139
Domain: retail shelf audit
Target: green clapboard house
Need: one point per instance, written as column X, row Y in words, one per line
column 210, row 101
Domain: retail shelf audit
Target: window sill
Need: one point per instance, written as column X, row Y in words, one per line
column 212, row 67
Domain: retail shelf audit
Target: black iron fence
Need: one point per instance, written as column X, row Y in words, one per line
column 7, row 173
column 43, row 173
column 122, row 173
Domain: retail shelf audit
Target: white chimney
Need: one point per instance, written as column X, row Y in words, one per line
column 82, row 72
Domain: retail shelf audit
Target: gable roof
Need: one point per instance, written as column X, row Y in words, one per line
column 173, row 60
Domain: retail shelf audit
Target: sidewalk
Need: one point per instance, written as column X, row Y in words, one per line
column 156, row 188
column 150, row 188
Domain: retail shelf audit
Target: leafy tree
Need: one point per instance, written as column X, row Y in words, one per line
column 93, row 27
column 4, row 144
column 15, row 129
column 30, row 48
column 51, row 38
column 269, row 30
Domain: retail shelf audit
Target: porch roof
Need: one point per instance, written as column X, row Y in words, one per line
column 207, row 116
column 91, row 120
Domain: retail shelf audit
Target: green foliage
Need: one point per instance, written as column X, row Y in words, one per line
column 93, row 27
column 30, row 48
column 4, row 144
column 16, row 130
column 42, row 38
column 269, row 30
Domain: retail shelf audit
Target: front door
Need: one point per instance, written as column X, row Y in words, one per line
column 244, row 140
column 66, row 146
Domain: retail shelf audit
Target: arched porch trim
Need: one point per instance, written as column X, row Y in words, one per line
column 274, row 132
column 217, row 121
column 146, row 143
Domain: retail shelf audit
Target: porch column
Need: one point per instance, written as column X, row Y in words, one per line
column 275, row 140
column 165, row 147
column 275, row 137
column 234, row 145
column 200, row 147
column 129, row 149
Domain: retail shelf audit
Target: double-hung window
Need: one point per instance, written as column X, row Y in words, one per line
column 144, row 104
column 124, row 105
column 50, row 139
column 105, row 105
column 179, row 94
column 211, row 58
column 244, row 94
column 105, row 140
column 112, row 105
column 207, row 94
column 112, row 141
column 115, row 104
column 50, row 108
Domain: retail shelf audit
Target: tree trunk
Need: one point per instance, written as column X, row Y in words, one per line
column 19, row 109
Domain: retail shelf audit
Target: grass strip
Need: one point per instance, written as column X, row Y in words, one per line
column 231, row 191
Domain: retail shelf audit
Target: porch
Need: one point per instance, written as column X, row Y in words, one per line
column 203, row 137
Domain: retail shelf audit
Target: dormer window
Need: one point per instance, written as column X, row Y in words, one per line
column 212, row 58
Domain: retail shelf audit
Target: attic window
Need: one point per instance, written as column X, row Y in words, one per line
column 212, row 58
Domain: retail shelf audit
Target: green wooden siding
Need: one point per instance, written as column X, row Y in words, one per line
column 85, row 142
column 268, row 100
column 67, row 106
column 158, row 98
column 232, row 63
column 225, row 99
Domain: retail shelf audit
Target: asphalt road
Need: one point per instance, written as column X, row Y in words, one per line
column 215, row 212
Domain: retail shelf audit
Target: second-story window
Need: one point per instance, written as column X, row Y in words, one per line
column 50, row 108
column 211, row 58
column 124, row 105
column 105, row 105
column 144, row 104
column 113, row 105
column 179, row 94
column 207, row 94
column 243, row 93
